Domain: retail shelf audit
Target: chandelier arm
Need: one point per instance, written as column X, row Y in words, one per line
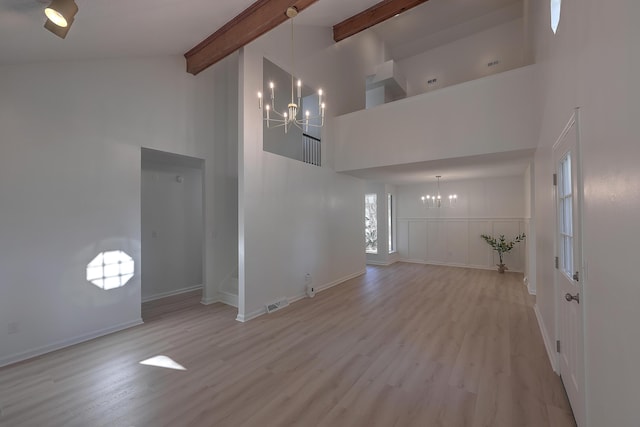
column 280, row 124
column 277, row 113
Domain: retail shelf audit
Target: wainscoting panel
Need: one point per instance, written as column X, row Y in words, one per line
column 457, row 235
column 418, row 240
column 480, row 253
column 436, row 243
column 402, row 239
column 457, row 241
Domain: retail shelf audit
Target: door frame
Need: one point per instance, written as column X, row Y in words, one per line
column 574, row 120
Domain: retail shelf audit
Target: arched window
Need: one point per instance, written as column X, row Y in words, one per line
column 555, row 14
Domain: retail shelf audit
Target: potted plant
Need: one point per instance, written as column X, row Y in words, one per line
column 502, row 246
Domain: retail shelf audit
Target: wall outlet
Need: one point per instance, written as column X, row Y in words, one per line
column 12, row 328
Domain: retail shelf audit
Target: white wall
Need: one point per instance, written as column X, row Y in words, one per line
column 465, row 59
column 70, row 172
column 593, row 63
column 451, row 235
column 495, row 114
column 172, row 230
column 339, row 68
column 297, row 218
column 530, row 244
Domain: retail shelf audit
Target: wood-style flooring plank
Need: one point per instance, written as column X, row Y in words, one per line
column 404, row 345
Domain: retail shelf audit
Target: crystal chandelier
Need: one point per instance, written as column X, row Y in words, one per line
column 293, row 115
column 435, row 201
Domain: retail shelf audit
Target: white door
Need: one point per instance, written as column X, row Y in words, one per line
column 570, row 297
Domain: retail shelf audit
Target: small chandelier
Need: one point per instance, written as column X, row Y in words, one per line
column 435, row 201
column 293, row 115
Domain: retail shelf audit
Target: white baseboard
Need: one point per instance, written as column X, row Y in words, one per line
column 299, row 297
column 209, row 301
column 384, row 264
column 263, row 310
column 222, row 296
column 171, row 293
column 252, row 315
column 66, row 343
column 530, row 289
column 547, row 340
column 228, row 298
column 455, row 264
column 340, row 280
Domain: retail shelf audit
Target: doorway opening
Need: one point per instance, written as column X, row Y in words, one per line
column 172, row 231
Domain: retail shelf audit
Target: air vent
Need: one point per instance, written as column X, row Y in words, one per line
column 493, row 63
column 277, row 305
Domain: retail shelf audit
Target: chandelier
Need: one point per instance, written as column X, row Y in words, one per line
column 293, row 115
column 435, row 201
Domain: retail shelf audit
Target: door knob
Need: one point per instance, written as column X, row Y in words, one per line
column 570, row 298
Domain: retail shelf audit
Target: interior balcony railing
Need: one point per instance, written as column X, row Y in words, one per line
column 311, row 150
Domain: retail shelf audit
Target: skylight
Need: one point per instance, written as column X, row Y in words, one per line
column 555, row 14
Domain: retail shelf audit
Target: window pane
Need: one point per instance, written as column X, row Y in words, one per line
column 566, row 165
column 568, row 255
column 568, row 218
column 390, row 221
column 562, row 215
column 371, row 223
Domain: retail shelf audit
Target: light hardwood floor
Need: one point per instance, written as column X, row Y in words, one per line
column 406, row 345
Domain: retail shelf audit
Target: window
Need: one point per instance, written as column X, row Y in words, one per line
column 390, row 229
column 555, row 14
column 565, row 203
column 371, row 223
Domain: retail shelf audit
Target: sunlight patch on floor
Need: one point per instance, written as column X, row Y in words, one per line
column 162, row 361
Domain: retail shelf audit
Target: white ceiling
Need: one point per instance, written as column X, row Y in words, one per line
column 438, row 22
column 491, row 165
column 124, row 28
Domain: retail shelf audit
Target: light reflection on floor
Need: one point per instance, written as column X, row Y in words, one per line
column 162, row 361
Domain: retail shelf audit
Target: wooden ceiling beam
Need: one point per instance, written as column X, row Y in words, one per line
column 256, row 20
column 374, row 15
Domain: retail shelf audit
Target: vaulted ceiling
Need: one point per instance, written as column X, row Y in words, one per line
column 122, row 28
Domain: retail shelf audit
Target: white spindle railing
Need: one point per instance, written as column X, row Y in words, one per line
column 311, row 150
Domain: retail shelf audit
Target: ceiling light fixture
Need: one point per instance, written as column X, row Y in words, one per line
column 435, row 201
column 293, row 115
column 60, row 16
